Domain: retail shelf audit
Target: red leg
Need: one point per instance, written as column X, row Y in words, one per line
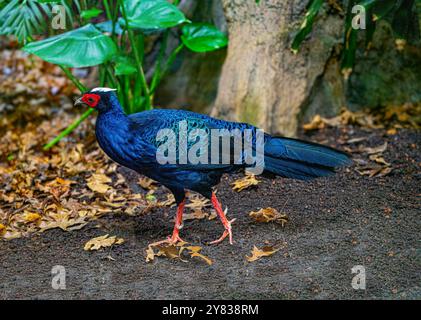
column 224, row 220
column 178, row 225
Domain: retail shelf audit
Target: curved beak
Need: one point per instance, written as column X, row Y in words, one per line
column 79, row 102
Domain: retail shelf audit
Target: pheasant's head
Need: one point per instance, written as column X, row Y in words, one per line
column 101, row 99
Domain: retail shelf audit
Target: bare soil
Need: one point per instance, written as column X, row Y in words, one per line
column 335, row 223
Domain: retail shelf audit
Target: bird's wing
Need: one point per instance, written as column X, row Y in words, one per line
column 153, row 130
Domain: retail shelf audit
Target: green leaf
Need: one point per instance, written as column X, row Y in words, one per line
column 91, row 13
column 124, row 66
column 153, row 14
column 107, row 26
column 200, row 37
column 24, row 19
column 83, row 47
column 307, row 25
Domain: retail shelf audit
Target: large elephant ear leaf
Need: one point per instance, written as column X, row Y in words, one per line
column 83, row 47
column 153, row 14
column 200, row 37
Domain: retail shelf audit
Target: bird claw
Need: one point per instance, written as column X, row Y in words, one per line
column 174, row 239
column 227, row 232
column 171, row 240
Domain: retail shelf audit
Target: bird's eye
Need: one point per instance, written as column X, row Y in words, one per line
column 91, row 100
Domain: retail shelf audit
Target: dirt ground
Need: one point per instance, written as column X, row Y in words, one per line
column 335, row 223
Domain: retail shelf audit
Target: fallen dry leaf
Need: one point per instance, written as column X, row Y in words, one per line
column 195, row 215
column 201, row 256
column 169, row 202
column 315, row 124
column 174, row 251
column 374, row 172
column 64, row 221
column 378, row 159
column 246, row 182
column 150, row 254
column 356, row 140
column 102, row 242
column 375, row 150
column 347, row 117
column 97, row 183
column 257, row 253
column 391, row 131
column 147, row 183
column 171, row 251
column 269, row 215
column 196, row 201
column 31, row 217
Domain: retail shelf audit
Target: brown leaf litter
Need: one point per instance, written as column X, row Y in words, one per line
column 246, row 182
column 266, row 215
column 393, row 117
column 257, row 253
column 102, row 242
column 175, row 251
column 66, row 187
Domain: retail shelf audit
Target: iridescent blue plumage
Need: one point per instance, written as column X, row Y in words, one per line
column 132, row 142
column 135, row 142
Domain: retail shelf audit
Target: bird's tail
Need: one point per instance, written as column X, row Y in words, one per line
column 298, row 159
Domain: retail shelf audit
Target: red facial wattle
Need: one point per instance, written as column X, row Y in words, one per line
column 91, row 99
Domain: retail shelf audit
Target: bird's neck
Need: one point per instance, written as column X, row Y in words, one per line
column 112, row 132
column 113, row 106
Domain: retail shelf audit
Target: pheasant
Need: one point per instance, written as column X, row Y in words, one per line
column 144, row 143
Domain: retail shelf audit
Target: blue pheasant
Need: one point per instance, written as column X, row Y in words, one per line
column 136, row 141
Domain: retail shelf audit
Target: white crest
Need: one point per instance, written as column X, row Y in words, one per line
column 102, row 89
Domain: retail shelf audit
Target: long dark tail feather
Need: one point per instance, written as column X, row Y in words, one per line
column 298, row 159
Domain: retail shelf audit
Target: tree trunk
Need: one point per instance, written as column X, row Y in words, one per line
column 262, row 81
column 193, row 79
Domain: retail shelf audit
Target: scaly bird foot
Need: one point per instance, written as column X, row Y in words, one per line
column 175, row 238
column 227, row 232
column 171, row 240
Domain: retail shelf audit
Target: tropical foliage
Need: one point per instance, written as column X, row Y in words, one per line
column 110, row 34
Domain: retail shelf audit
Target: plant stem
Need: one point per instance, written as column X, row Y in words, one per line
column 142, row 77
column 69, row 129
column 72, row 78
column 110, row 17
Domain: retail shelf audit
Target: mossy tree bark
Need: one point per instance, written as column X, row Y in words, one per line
column 262, row 81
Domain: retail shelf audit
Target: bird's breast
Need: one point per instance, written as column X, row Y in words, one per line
column 116, row 141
